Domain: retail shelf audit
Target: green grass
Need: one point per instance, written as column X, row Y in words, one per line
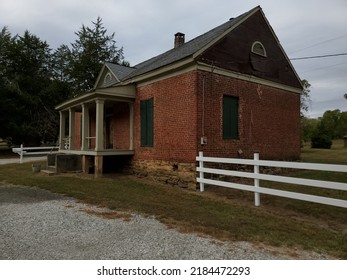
column 227, row 219
column 336, row 155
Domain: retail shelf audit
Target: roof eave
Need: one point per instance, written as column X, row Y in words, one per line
column 185, row 62
column 123, row 93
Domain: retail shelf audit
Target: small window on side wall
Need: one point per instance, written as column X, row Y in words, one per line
column 258, row 48
column 230, row 117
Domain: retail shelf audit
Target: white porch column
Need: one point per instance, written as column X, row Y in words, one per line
column 99, row 142
column 71, row 128
column 62, row 117
column 85, row 127
column 131, row 124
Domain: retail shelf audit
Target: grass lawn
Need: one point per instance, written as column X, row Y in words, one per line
column 219, row 213
column 336, row 155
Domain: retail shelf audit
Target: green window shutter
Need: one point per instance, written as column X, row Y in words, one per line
column 230, row 117
column 143, row 122
column 146, row 113
column 150, row 122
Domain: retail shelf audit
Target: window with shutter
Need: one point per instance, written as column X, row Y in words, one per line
column 230, row 117
column 146, row 112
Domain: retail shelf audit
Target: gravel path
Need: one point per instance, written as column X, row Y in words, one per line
column 37, row 224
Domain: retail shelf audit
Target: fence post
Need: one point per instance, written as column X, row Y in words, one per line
column 21, row 154
column 201, row 174
column 256, row 181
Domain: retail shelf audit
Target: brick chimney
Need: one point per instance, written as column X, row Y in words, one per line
column 179, row 39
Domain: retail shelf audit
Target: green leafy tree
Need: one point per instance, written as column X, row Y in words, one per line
column 34, row 79
column 61, row 58
column 305, row 98
column 330, row 123
column 28, row 92
column 308, row 128
column 342, row 125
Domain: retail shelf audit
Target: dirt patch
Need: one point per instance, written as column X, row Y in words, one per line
column 111, row 215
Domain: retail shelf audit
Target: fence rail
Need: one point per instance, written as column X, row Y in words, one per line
column 21, row 151
column 257, row 176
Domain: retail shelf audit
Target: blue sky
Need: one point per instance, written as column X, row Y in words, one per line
column 146, row 28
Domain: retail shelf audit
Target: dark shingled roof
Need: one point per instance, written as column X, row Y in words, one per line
column 181, row 52
column 119, row 70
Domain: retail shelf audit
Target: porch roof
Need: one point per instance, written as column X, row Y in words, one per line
column 117, row 93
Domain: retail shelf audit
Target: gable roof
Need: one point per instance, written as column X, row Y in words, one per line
column 119, row 72
column 189, row 48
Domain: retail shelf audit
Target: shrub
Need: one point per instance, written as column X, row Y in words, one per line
column 321, row 141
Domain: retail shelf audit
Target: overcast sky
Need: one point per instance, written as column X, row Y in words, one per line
column 145, row 28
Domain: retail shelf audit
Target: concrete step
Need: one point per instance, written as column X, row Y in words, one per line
column 52, row 168
column 48, row 172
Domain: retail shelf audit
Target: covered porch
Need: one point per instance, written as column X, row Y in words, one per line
column 98, row 124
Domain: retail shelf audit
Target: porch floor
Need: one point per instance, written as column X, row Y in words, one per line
column 107, row 152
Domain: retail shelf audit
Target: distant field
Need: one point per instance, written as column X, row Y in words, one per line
column 337, row 154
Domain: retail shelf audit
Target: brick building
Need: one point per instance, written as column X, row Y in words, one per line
column 227, row 92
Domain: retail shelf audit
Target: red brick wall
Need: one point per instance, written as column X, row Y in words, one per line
column 120, row 127
column 175, row 119
column 269, row 119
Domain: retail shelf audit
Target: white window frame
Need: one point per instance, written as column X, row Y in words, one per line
column 258, row 43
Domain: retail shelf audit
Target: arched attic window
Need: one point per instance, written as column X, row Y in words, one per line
column 108, row 78
column 258, row 48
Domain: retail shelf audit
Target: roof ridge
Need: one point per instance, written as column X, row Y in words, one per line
column 187, row 49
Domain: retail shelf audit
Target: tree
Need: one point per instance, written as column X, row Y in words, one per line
column 330, row 122
column 342, row 125
column 308, row 128
column 90, row 50
column 34, row 79
column 28, row 92
column 332, row 125
column 305, row 98
column 61, row 64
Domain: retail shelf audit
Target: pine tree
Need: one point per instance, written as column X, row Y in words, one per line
column 91, row 49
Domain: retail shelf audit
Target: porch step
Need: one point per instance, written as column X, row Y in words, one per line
column 52, row 168
column 48, row 172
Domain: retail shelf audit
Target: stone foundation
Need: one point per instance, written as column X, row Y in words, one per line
column 172, row 173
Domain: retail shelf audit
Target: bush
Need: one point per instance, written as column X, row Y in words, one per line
column 321, row 141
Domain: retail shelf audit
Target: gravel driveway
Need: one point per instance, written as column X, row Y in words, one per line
column 37, row 224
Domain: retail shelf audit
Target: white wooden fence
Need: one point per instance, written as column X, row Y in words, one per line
column 21, row 151
column 257, row 176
